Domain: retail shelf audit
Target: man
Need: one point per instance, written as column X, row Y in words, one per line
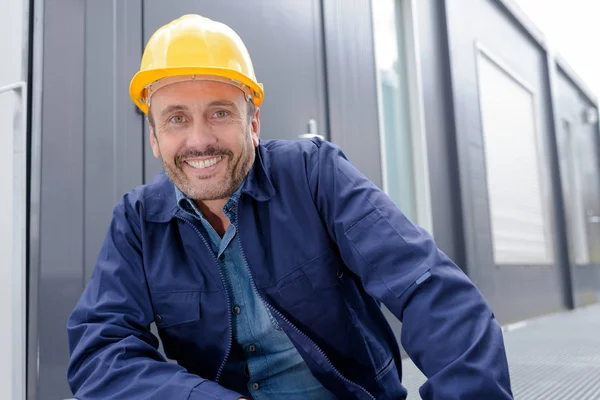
column 264, row 263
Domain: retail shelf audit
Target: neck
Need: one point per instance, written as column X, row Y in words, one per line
column 213, row 212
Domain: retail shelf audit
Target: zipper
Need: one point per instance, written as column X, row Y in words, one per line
column 220, row 370
column 280, row 315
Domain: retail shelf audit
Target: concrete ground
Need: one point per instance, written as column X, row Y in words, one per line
column 551, row 357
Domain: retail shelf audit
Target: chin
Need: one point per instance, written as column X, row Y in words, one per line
column 211, row 192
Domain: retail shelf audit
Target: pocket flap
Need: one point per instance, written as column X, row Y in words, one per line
column 174, row 308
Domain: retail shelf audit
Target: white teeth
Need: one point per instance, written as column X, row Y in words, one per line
column 204, row 163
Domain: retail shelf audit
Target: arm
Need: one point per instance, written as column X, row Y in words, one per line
column 448, row 329
column 113, row 353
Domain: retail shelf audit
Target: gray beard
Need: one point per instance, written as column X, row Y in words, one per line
column 237, row 170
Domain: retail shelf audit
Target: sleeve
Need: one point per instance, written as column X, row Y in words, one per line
column 113, row 353
column 448, row 329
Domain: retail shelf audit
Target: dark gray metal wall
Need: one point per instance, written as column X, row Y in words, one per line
column 112, row 130
column 571, row 102
column 62, row 199
column 351, row 83
column 91, row 154
column 439, row 127
column 515, row 292
column 93, row 141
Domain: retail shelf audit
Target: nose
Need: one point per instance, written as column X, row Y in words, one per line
column 201, row 135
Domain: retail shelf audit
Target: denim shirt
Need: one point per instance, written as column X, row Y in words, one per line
column 263, row 362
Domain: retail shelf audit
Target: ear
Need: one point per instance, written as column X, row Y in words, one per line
column 153, row 142
column 255, row 127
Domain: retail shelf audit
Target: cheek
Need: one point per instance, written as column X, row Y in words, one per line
column 233, row 140
column 169, row 147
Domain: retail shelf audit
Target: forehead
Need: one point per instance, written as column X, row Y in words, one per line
column 197, row 92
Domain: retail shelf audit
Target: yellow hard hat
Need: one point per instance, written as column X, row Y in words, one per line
column 195, row 46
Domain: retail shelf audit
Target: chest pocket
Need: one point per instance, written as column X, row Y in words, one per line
column 317, row 277
column 176, row 308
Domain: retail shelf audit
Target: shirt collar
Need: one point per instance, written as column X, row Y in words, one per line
column 188, row 205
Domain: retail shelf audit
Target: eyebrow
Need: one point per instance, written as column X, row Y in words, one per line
column 173, row 108
column 222, row 103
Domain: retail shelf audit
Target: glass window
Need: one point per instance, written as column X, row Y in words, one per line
column 515, row 179
column 403, row 148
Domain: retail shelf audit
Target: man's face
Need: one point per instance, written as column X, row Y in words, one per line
column 204, row 137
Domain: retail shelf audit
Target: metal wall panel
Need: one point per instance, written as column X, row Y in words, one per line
column 14, row 87
column 586, row 284
column 517, row 291
column 351, row 83
column 61, row 236
column 571, row 104
column 113, row 129
column 439, row 126
column 91, row 153
column 36, row 30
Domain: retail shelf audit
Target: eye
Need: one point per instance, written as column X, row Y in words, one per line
column 177, row 119
column 221, row 114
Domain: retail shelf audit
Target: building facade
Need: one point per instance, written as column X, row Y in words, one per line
column 457, row 109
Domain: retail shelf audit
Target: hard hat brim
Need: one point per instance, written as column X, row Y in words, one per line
column 140, row 81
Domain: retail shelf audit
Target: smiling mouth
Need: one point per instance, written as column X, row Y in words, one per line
column 201, row 164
